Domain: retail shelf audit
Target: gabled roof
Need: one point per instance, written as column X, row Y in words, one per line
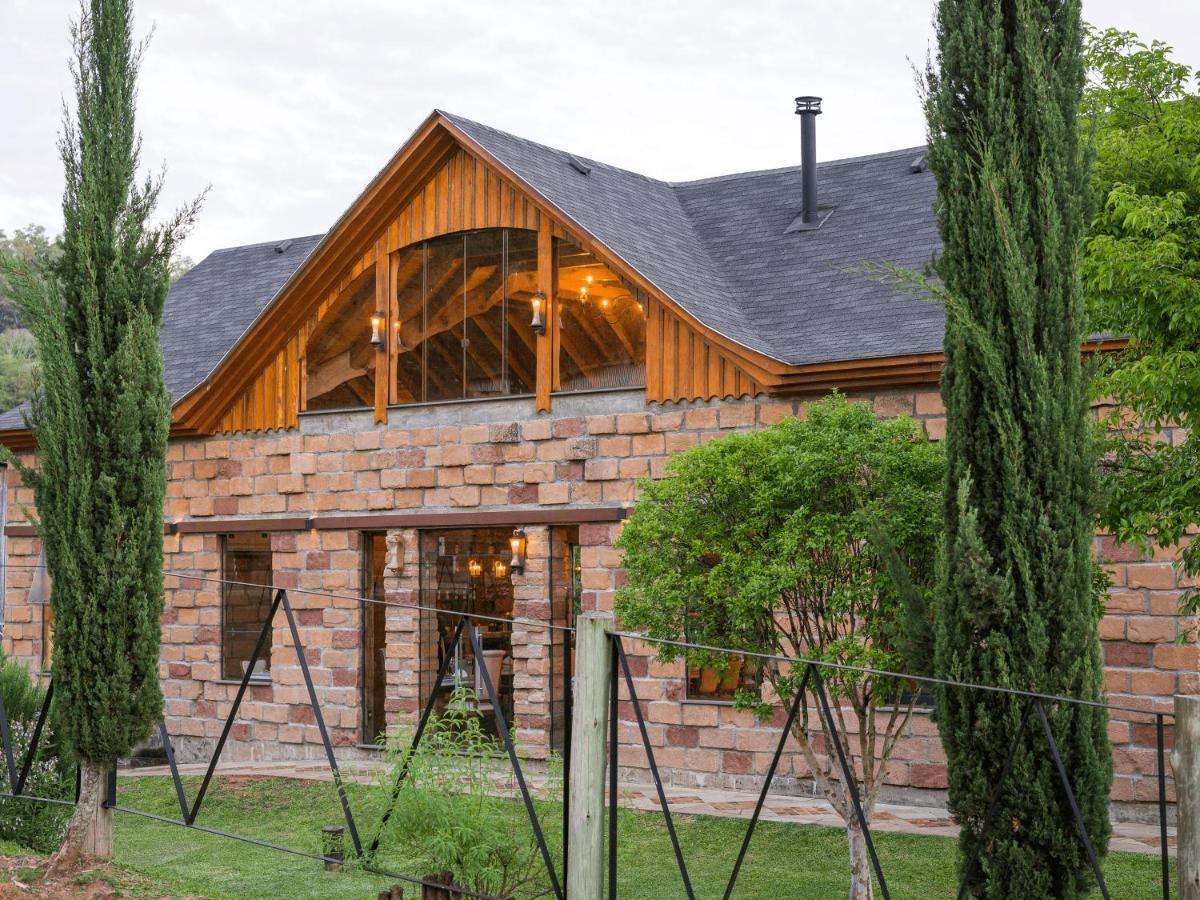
column 716, row 247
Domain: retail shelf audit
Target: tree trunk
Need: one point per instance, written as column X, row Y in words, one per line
column 89, row 835
column 861, row 886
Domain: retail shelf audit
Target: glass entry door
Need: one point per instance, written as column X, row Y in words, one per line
column 466, row 571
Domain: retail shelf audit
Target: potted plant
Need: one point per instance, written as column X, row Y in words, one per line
column 459, row 814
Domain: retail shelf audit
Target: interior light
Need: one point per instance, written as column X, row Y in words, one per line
column 499, row 568
column 474, row 568
column 538, row 323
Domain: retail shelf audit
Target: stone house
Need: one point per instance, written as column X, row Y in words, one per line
column 490, row 346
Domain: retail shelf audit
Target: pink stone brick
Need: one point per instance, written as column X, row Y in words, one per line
column 740, row 416
column 632, row 423
column 467, row 495
column 1151, row 629
column 553, row 492
column 929, row 403
column 1152, row 575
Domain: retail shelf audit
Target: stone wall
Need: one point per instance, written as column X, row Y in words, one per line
column 496, row 456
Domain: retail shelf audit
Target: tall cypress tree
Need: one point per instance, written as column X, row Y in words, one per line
column 101, row 420
column 1018, row 607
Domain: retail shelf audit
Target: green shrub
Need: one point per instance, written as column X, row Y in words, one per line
column 38, row 826
column 460, row 817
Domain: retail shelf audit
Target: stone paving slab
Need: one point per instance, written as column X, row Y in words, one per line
column 1128, row 837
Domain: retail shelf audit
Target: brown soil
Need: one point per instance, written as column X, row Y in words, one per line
column 22, row 876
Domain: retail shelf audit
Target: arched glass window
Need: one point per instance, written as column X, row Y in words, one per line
column 462, row 325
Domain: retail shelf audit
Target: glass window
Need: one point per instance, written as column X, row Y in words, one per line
column 602, row 327
column 445, row 280
column 410, row 325
column 520, row 284
column 463, row 303
column 709, row 683
column 246, row 596
column 340, row 361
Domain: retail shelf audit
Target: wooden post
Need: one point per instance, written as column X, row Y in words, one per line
column 589, row 728
column 1185, row 761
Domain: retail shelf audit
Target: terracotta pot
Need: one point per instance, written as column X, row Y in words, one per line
column 708, row 680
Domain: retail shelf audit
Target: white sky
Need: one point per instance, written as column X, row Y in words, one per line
column 288, row 107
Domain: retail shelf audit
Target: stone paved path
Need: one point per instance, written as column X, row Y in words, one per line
column 1128, row 837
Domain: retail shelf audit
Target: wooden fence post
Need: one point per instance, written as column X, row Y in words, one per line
column 589, row 726
column 1185, row 761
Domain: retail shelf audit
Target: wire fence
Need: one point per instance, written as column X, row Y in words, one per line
column 812, row 688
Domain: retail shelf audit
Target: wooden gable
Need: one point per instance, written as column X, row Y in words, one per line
column 458, row 189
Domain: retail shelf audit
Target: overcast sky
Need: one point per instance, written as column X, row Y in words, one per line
column 288, row 107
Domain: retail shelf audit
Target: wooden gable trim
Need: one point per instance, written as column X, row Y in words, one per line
column 359, row 228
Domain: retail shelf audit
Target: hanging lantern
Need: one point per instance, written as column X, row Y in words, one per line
column 517, row 543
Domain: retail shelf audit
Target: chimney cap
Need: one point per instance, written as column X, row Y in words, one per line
column 808, row 105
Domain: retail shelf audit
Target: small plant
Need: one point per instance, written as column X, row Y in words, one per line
column 459, row 814
column 38, row 826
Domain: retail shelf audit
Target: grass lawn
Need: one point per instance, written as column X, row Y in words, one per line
column 783, row 861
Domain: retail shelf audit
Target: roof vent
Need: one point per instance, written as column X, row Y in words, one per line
column 918, row 165
column 579, row 165
column 282, row 246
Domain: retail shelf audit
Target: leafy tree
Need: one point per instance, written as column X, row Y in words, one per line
column 180, row 266
column 1142, row 274
column 30, row 245
column 773, row 542
column 1016, row 608
column 18, row 367
column 101, row 421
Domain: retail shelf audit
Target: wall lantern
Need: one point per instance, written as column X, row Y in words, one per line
column 398, row 343
column 538, row 324
column 474, row 568
column 517, row 542
column 377, row 330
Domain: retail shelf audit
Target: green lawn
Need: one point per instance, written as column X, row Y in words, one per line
column 783, row 861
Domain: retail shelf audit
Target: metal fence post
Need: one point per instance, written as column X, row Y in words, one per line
column 1185, row 760
column 589, row 720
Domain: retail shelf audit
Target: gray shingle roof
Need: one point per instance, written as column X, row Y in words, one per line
column 718, row 247
column 211, row 307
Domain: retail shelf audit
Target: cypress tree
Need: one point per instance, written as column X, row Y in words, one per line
column 1017, row 606
column 101, row 420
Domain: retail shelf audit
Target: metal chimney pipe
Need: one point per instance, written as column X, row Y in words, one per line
column 808, row 108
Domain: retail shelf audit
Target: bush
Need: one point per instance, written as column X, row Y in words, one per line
column 460, row 816
column 38, row 826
